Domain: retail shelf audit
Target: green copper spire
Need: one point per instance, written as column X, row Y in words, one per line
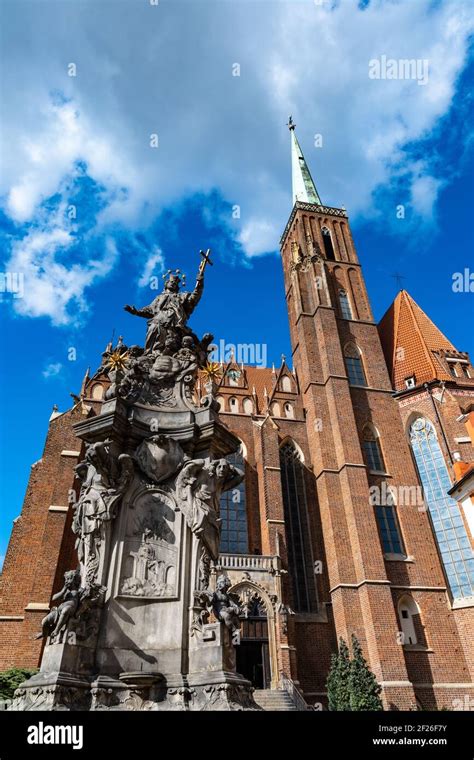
column 303, row 187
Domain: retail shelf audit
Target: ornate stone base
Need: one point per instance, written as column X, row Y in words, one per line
column 52, row 691
column 221, row 691
column 151, row 692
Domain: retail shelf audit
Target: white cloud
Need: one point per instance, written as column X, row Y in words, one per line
column 155, row 262
column 215, row 130
column 52, row 286
column 52, row 369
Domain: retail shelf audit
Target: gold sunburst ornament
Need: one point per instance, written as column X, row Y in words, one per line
column 117, row 360
column 212, row 371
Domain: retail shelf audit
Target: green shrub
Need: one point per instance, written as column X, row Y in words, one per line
column 12, row 678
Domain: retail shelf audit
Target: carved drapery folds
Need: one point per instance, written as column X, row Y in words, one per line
column 199, row 487
column 104, row 478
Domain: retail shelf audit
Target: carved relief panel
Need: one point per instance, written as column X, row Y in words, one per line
column 150, row 557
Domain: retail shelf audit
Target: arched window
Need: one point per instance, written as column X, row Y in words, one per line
column 285, row 384
column 247, row 406
column 221, row 401
column 289, row 411
column 297, row 528
column 328, row 247
column 406, row 610
column 345, row 305
column 354, row 366
column 276, row 411
column 453, row 541
column 234, row 531
column 372, row 450
column 389, row 531
column 234, row 405
column 98, row 391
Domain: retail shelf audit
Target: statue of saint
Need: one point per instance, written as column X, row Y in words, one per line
column 169, row 312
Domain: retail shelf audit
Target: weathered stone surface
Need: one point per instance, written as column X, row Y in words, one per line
column 131, row 629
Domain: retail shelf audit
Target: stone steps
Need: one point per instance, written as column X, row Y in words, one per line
column 277, row 699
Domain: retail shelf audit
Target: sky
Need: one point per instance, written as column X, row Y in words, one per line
column 137, row 132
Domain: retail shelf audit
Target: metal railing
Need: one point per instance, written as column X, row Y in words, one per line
column 286, row 684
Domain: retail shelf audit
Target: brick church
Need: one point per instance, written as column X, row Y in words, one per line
column 357, row 510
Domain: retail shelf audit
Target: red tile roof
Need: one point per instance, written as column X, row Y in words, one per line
column 412, row 344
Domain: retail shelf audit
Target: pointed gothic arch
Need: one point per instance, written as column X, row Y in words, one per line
column 297, row 527
column 354, row 364
column 247, row 588
column 447, row 521
column 372, row 448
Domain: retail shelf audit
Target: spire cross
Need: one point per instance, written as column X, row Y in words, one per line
column 205, row 260
column 291, row 124
column 398, row 278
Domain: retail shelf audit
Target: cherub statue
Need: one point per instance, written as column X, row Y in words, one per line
column 58, row 617
column 226, row 606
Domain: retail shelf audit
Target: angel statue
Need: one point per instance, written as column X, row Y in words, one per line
column 58, row 617
column 199, row 487
column 103, row 482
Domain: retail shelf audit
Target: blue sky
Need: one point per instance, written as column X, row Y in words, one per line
column 88, row 209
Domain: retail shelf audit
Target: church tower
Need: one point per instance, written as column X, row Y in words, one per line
column 380, row 556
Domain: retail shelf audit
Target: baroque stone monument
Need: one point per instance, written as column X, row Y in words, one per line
column 142, row 624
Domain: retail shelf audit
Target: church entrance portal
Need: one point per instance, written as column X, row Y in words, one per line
column 253, row 660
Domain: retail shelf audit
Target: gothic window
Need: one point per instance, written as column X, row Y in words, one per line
column 234, row 405
column 220, row 400
column 372, row 449
column 289, row 411
column 297, row 528
column 465, row 370
column 328, row 247
column 354, row 366
column 234, row 531
column 406, row 610
column 276, row 411
column 453, row 541
column 286, row 384
column 345, row 305
column 389, row 531
column 98, row 391
column 247, row 406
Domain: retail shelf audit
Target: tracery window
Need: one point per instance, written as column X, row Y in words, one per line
column 451, row 535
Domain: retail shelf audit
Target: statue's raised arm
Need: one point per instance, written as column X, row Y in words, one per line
column 194, row 297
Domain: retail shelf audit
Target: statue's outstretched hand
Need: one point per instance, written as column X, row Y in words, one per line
column 130, row 309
